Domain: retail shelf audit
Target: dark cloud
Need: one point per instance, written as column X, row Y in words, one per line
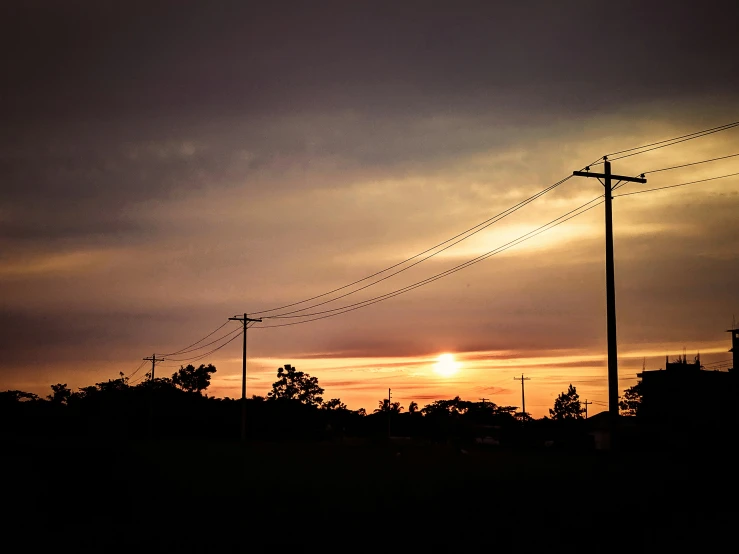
column 102, row 59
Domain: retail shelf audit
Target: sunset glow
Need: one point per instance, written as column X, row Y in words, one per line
column 446, row 366
column 392, row 193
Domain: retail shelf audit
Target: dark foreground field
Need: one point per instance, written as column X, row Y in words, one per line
column 194, row 490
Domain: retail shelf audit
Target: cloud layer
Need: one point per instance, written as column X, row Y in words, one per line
column 168, row 166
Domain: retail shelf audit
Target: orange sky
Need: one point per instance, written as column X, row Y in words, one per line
column 173, row 175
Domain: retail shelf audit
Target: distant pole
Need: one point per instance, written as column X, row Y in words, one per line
column 483, row 401
column 610, row 279
column 586, row 403
column 245, row 320
column 523, row 393
column 154, row 361
column 389, row 409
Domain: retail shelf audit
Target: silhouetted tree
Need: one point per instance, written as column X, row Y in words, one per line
column 630, row 403
column 412, row 408
column 13, row 396
column 61, row 393
column 455, row 406
column 334, row 404
column 567, row 405
column 361, row 412
column 192, row 379
column 386, row 406
column 113, row 384
column 296, row 385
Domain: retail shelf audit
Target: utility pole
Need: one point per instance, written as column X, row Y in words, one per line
column 586, row 403
column 483, row 401
column 610, row 281
column 523, row 394
column 245, row 320
column 389, row 411
column 153, row 359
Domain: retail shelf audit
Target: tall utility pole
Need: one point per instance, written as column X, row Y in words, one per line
column 586, row 403
column 523, row 394
column 153, row 359
column 483, row 401
column 245, row 320
column 610, row 281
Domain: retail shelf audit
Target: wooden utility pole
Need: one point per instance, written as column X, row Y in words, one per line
column 610, row 281
column 523, row 393
column 153, row 359
column 245, row 320
column 586, row 404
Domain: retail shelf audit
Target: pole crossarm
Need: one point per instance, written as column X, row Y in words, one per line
column 603, row 176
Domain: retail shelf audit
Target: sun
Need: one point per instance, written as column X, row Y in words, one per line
column 446, row 366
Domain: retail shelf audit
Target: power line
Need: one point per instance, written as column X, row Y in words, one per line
column 674, row 140
column 181, row 351
column 204, row 345
column 286, row 314
column 481, row 226
column 444, row 273
column 135, row 371
column 459, row 267
column 692, row 163
column 200, row 357
column 680, row 185
column 136, row 380
column 659, row 144
column 514, row 208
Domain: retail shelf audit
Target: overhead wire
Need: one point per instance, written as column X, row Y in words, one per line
column 620, row 184
column 689, row 164
column 557, row 221
column 469, row 232
column 136, row 380
column 679, row 185
column 204, row 345
column 197, row 356
column 137, row 369
column 351, row 307
column 197, row 342
column 499, row 217
column 206, row 354
column 672, row 143
column 642, row 149
column 668, row 142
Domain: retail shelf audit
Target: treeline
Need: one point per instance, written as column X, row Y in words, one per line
column 294, row 408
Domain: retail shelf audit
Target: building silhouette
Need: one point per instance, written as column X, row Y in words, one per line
column 734, row 347
column 687, row 395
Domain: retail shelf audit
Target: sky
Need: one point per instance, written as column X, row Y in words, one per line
column 168, row 165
